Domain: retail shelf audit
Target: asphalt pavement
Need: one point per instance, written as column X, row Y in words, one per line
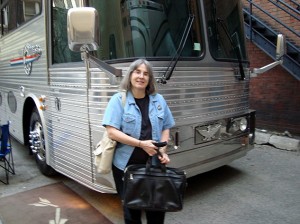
column 261, row 188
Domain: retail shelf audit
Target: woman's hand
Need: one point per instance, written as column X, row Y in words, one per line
column 148, row 147
column 164, row 158
column 151, row 150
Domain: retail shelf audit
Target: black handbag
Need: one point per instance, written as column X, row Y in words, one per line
column 156, row 188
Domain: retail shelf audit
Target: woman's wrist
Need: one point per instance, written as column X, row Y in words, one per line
column 163, row 149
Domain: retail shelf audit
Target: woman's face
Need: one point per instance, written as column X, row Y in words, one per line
column 140, row 78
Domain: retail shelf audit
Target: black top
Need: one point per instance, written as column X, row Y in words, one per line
column 139, row 156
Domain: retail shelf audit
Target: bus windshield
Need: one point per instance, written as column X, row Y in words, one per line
column 225, row 29
column 160, row 28
column 135, row 28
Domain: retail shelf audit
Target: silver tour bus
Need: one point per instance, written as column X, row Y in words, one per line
column 62, row 60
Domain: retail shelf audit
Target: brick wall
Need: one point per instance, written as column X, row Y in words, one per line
column 274, row 95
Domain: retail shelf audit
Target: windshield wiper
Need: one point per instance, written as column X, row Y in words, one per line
column 235, row 48
column 178, row 52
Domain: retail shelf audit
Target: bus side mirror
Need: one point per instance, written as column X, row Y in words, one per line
column 83, row 33
column 280, row 47
column 280, row 51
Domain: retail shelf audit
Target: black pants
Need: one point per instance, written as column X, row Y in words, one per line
column 133, row 216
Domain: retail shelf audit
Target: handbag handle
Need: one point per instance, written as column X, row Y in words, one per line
column 149, row 164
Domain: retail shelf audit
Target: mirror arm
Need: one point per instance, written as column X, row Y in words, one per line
column 280, row 52
column 106, row 67
column 263, row 69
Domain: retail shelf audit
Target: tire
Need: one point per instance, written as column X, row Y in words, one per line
column 37, row 141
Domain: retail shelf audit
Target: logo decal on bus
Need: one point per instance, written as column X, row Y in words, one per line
column 30, row 54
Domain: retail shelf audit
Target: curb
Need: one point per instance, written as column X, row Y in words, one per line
column 277, row 140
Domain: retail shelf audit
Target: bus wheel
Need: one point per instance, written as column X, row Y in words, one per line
column 37, row 143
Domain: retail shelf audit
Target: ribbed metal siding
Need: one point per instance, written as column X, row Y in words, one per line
column 12, row 77
column 195, row 95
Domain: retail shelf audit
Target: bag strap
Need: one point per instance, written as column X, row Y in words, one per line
column 123, row 94
column 149, row 164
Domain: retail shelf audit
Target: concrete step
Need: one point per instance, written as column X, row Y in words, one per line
column 279, row 140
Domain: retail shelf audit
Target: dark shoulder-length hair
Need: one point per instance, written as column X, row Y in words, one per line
column 126, row 84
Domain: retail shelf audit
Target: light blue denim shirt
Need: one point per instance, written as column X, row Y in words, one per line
column 128, row 119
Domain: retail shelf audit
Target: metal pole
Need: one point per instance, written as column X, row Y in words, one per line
column 250, row 22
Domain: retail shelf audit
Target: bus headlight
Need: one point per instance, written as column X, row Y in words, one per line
column 239, row 124
column 243, row 124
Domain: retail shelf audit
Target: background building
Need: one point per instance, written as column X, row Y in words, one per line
column 274, row 94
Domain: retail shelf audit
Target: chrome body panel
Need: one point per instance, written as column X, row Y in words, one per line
column 194, row 99
column 13, row 78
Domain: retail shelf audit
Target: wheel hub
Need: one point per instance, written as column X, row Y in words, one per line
column 36, row 141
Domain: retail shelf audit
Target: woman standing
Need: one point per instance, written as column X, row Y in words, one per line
column 145, row 118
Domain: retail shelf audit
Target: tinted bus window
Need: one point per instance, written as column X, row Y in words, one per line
column 60, row 48
column 14, row 13
column 225, row 29
column 133, row 28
